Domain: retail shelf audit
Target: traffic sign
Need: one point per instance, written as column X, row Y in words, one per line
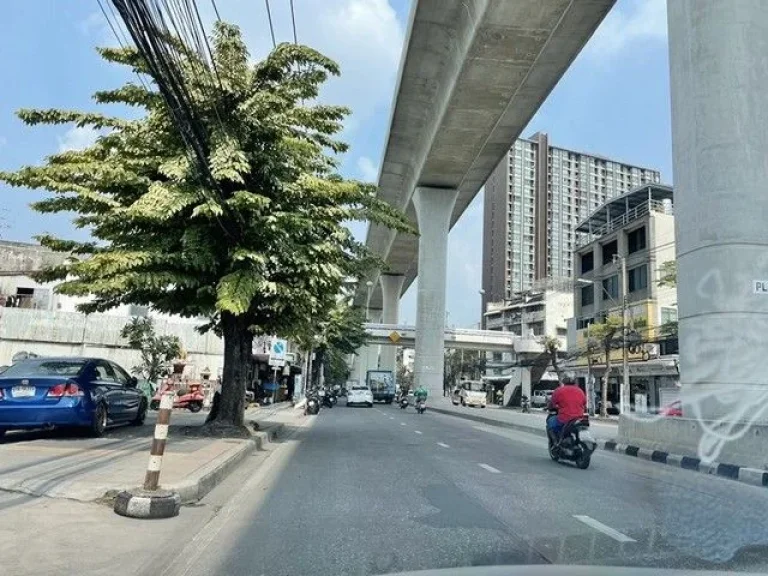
column 277, row 350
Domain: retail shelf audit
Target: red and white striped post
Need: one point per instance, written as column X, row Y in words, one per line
column 152, row 478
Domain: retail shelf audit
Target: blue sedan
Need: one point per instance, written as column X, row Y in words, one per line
column 72, row 392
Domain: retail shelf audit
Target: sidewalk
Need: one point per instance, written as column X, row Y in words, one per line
column 61, row 464
column 534, row 422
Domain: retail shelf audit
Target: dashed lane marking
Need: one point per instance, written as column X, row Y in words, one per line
column 443, row 444
column 402, row 423
column 417, row 431
column 607, row 530
column 490, row 468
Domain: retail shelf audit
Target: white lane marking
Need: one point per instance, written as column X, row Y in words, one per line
column 402, row 423
column 607, row 530
column 391, row 417
column 417, row 431
column 443, row 444
column 490, row 468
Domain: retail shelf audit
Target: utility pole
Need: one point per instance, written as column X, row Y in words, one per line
column 624, row 392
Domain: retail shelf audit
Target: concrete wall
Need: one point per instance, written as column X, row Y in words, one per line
column 23, row 257
column 698, row 439
column 49, row 333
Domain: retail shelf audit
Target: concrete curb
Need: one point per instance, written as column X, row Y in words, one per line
column 751, row 476
column 148, row 505
column 216, row 471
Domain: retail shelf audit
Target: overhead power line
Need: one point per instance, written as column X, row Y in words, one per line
column 293, row 21
column 271, row 27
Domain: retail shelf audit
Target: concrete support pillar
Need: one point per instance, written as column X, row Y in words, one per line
column 391, row 286
column 357, row 367
column 433, row 211
column 720, row 141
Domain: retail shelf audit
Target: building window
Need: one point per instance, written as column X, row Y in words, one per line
column 636, row 240
column 587, row 295
column 611, row 287
column 587, row 262
column 668, row 315
column 637, row 278
column 582, row 323
column 609, row 250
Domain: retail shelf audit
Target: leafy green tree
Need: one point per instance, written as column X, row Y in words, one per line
column 668, row 274
column 261, row 249
column 551, row 348
column 340, row 334
column 156, row 351
column 469, row 364
column 605, row 335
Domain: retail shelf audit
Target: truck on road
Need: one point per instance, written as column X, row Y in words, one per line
column 382, row 384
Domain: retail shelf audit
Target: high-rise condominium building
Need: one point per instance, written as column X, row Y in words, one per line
column 534, row 200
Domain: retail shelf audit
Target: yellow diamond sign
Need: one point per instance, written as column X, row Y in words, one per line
column 394, row 337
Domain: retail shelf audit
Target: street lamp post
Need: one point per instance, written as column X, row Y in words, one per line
column 625, row 324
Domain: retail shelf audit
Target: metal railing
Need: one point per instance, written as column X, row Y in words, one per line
column 622, row 220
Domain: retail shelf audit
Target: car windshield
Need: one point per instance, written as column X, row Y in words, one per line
column 42, row 367
column 313, row 209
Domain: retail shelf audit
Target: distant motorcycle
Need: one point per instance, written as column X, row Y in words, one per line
column 326, row 399
column 525, row 404
column 421, row 406
column 312, row 406
column 574, row 443
column 403, row 403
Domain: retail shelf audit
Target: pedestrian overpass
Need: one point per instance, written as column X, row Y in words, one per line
column 455, row 338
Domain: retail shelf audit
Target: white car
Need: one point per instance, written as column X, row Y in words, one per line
column 360, row 395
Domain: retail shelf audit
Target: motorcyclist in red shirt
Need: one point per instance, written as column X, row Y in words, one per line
column 570, row 402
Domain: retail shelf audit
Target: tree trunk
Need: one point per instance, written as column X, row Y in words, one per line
column 317, row 365
column 604, row 391
column 238, row 344
column 556, row 366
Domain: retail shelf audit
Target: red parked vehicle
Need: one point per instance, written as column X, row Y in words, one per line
column 192, row 399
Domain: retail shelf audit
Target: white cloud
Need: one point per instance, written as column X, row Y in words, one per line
column 77, row 138
column 94, row 21
column 629, row 22
column 368, row 171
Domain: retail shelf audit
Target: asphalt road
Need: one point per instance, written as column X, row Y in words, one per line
column 374, row 491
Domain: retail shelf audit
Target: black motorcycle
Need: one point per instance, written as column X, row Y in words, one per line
column 421, row 406
column 326, row 400
column 313, row 404
column 403, row 403
column 574, row 442
column 525, row 404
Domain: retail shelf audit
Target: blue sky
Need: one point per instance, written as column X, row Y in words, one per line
column 613, row 101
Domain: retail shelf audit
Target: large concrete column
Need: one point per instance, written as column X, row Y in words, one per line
column 719, row 82
column 391, row 286
column 433, row 211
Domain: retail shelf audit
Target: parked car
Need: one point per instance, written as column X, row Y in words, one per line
column 89, row 393
column 540, row 398
column 360, row 394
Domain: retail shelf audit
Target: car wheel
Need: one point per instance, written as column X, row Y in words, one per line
column 2, row 433
column 99, row 424
column 195, row 407
column 141, row 415
column 370, row 404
